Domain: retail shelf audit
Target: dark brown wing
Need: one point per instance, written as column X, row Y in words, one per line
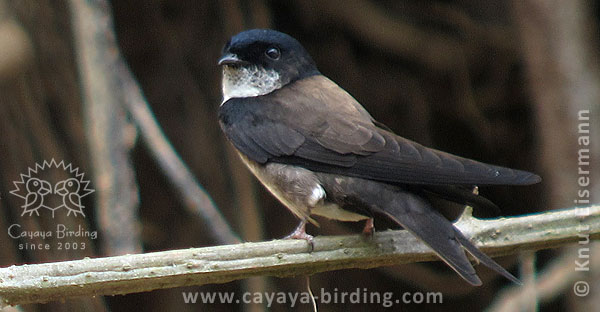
column 315, row 124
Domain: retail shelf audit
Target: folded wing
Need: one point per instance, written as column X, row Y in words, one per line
column 326, row 130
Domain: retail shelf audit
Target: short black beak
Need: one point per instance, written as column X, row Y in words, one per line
column 230, row 59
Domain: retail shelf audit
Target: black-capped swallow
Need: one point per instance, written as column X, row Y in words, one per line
column 317, row 150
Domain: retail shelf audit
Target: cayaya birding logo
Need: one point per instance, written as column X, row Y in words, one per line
column 54, row 187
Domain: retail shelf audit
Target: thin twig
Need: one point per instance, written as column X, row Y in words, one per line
column 97, row 43
column 529, row 290
column 281, row 258
column 557, row 278
column 559, row 40
column 108, row 133
column 195, row 197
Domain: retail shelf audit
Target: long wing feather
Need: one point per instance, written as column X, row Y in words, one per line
column 324, row 129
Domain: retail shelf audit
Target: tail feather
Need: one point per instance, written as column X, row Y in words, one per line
column 461, row 195
column 483, row 258
column 413, row 212
column 418, row 217
column 445, row 246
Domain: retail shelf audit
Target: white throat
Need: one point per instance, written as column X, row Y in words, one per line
column 240, row 82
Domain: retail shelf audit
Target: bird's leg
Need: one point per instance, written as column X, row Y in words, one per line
column 369, row 228
column 300, row 233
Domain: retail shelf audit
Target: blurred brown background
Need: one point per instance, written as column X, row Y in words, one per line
column 497, row 81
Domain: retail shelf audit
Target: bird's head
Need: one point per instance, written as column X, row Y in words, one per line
column 67, row 186
column 35, row 185
column 259, row 61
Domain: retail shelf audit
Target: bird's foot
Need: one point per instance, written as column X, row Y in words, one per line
column 300, row 233
column 369, row 229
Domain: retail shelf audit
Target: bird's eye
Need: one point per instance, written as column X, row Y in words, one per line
column 273, row 53
column 70, row 183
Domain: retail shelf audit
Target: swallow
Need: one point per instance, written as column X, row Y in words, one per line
column 319, row 152
column 34, row 200
column 69, row 190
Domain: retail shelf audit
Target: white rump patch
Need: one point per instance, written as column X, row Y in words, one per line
column 317, row 194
